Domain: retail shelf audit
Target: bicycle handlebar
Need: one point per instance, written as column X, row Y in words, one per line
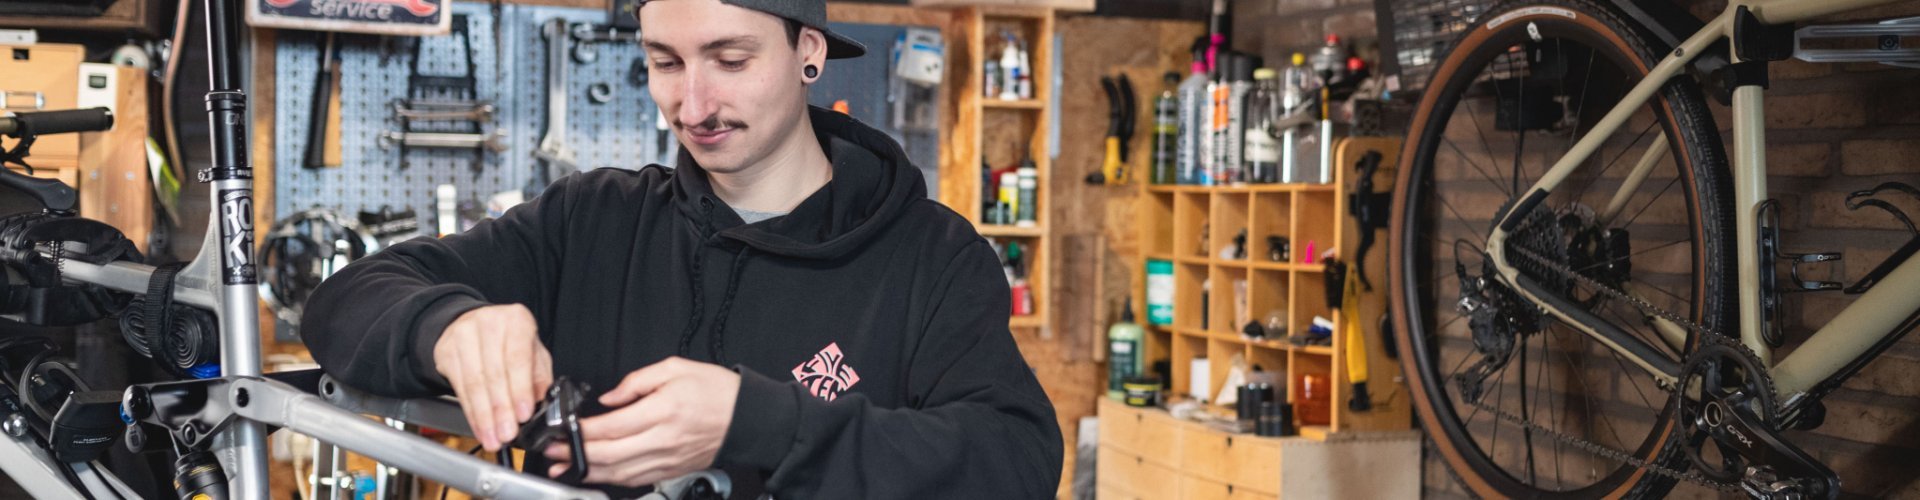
column 56, row 122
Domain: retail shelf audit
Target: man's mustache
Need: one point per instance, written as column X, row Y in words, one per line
column 713, row 122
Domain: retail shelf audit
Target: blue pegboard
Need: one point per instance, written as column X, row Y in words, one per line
column 616, row 134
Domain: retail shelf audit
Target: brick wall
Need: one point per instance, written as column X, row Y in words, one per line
column 1833, row 129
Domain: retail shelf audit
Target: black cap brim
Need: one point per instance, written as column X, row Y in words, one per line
column 841, row 47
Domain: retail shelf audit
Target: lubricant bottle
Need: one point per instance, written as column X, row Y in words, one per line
column 1166, row 132
column 1262, row 153
column 1193, row 96
column 1125, row 359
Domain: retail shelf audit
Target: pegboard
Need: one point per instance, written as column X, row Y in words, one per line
column 374, row 73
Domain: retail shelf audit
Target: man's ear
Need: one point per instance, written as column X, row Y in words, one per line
column 812, row 51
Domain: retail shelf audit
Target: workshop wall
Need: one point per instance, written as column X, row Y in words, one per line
column 1833, row 129
column 1095, row 224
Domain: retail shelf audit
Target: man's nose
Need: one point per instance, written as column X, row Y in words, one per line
column 696, row 99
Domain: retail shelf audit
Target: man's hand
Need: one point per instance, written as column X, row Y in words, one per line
column 493, row 358
column 669, row 420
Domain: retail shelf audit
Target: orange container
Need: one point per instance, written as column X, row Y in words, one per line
column 1313, row 400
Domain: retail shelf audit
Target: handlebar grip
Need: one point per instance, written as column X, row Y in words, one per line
column 60, row 122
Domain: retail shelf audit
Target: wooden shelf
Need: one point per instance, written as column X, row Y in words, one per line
column 976, row 136
column 1006, row 231
column 997, row 103
column 1181, row 219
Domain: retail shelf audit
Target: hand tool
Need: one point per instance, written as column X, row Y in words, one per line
column 462, row 90
column 1356, row 343
column 326, row 88
column 554, row 154
column 1369, row 209
column 443, row 110
column 495, row 142
column 587, row 34
column 1120, row 119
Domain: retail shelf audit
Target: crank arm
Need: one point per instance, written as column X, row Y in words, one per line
column 495, row 142
column 1736, row 428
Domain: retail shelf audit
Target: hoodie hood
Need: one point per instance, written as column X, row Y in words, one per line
column 872, row 184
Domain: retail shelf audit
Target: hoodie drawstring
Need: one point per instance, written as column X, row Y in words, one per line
column 693, row 279
column 716, row 347
column 718, row 344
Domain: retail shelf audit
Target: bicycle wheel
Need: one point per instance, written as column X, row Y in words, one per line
column 1509, row 99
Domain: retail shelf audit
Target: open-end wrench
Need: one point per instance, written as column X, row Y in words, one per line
column 553, row 151
column 495, row 142
column 477, row 111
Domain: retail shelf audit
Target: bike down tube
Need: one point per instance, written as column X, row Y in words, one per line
column 1665, row 370
column 276, row 403
column 1853, row 332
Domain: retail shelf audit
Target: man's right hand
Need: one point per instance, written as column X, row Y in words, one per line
column 493, row 358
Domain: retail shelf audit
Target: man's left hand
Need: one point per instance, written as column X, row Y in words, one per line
column 669, row 420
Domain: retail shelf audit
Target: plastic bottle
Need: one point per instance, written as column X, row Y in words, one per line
column 1193, row 95
column 1029, row 178
column 1009, row 197
column 1233, row 136
column 1025, row 84
column 1262, row 153
column 1010, row 69
column 1125, row 359
column 1166, row 133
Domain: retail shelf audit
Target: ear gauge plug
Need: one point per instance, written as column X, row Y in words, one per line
column 810, row 70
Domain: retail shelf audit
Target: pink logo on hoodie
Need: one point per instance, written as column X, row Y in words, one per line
column 827, row 374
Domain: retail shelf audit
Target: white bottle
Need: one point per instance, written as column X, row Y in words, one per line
column 1192, row 92
column 1010, row 66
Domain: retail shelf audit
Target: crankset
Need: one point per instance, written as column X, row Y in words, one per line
column 1732, row 429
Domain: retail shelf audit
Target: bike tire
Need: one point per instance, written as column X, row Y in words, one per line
column 1701, row 168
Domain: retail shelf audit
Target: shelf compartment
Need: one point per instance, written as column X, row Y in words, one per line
column 1190, row 224
column 1220, row 354
column 1227, row 300
column 1188, row 301
column 1228, row 219
column 1267, row 298
column 1321, row 208
column 1272, row 215
column 1185, row 348
column 1309, row 298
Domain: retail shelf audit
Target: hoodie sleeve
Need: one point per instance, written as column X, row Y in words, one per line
column 373, row 324
column 978, row 424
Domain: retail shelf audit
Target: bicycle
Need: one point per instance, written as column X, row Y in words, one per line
column 75, row 270
column 1643, row 322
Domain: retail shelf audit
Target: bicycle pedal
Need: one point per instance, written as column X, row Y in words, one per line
column 1888, row 36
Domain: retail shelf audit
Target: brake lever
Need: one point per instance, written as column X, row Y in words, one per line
column 558, row 420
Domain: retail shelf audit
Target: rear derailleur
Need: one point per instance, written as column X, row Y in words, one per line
column 1732, row 428
column 1498, row 317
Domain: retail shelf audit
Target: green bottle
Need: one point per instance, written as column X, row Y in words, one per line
column 1166, row 133
column 1125, row 358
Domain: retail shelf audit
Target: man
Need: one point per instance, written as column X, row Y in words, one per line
column 785, row 305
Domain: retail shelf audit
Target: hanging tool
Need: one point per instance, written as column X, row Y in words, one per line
column 326, row 95
column 1120, row 118
column 1356, row 342
column 494, row 142
column 585, row 35
column 555, row 158
column 445, row 95
column 1369, row 209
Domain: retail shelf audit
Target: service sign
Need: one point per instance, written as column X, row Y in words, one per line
column 386, row 17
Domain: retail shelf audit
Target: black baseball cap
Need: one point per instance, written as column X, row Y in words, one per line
column 811, row 13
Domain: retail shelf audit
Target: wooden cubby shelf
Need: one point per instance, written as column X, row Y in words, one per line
column 1217, row 292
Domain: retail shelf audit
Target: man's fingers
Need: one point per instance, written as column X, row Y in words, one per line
column 542, row 370
column 477, row 398
column 623, row 421
column 520, row 365
column 504, row 425
column 642, row 382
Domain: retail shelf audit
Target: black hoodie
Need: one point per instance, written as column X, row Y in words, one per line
column 868, row 325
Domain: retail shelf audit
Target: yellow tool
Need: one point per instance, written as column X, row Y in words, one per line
column 1356, row 342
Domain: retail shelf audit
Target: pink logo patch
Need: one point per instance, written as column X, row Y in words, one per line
column 827, row 374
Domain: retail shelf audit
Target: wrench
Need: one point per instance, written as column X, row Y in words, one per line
column 553, row 151
column 495, row 142
column 477, row 111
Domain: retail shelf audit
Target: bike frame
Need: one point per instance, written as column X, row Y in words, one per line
column 1834, row 352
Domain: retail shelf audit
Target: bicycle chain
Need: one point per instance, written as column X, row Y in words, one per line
column 1596, row 448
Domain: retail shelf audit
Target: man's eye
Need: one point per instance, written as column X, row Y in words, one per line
column 733, row 65
column 666, row 65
